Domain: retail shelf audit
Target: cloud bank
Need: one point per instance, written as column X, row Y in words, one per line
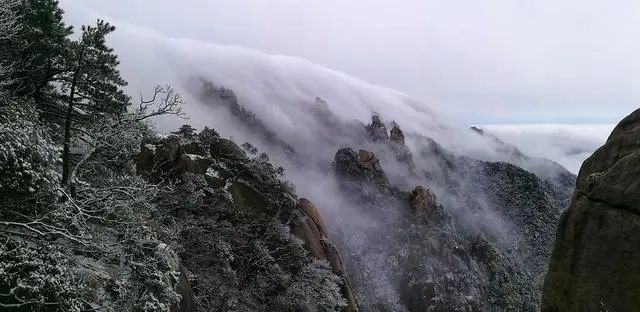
column 501, row 61
column 567, row 144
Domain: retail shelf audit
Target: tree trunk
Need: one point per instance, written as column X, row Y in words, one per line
column 66, row 152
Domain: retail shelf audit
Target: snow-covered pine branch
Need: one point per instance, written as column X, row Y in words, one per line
column 9, row 28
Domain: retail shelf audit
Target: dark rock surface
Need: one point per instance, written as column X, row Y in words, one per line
column 595, row 264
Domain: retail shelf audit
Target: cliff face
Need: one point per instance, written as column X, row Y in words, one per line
column 594, row 266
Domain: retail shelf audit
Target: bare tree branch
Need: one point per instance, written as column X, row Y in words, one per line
column 165, row 101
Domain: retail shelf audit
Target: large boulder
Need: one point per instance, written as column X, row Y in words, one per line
column 369, row 161
column 172, row 155
column 594, row 266
column 194, row 147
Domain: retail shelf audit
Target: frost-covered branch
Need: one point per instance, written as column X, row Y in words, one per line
column 9, row 25
column 165, row 101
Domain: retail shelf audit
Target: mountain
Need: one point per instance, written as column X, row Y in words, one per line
column 292, row 188
column 365, row 156
column 594, row 263
column 397, row 249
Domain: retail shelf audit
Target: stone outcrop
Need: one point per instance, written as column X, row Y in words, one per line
column 377, row 130
column 360, row 167
column 394, row 139
column 369, row 161
column 402, row 151
column 396, row 135
column 423, row 203
column 311, row 229
column 594, row 266
column 172, row 156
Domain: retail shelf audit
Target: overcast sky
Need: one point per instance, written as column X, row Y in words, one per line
column 493, row 61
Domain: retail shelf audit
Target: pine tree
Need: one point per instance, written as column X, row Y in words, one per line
column 9, row 27
column 185, row 131
column 91, row 85
column 37, row 50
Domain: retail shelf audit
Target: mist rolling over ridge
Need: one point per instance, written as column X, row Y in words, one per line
column 300, row 114
column 238, row 156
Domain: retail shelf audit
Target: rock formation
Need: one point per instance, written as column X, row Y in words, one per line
column 595, row 263
column 424, row 204
column 400, row 149
column 215, row 179
column 172, row 156
column 377, row 130
column 361, row 167
column 437, row 252
column 311, row 229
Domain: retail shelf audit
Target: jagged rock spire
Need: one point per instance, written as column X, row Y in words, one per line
column 403, row 153
column 377, row 130
column 396, row 134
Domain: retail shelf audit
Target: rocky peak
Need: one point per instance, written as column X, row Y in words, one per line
column 477, row 130
column 362, row 168
column 396, row 135
column 377, row 130
column 402, row 152
column 429, row 248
